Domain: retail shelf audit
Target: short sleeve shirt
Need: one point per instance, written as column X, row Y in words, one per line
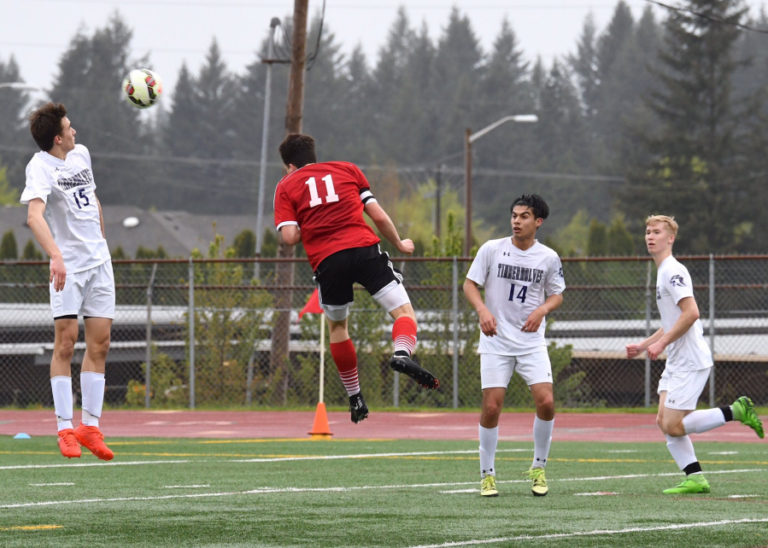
column 69, row 191
column 689, row 352
column 516, row 282
column 325, row 200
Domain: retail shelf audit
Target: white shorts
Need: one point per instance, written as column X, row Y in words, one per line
column 683, row 388
column 90, row 293
column 496, row 370
column 391, row 296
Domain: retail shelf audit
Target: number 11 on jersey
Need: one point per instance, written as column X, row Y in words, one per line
column 330, row 192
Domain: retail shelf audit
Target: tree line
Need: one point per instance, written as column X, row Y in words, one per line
column 648, row 115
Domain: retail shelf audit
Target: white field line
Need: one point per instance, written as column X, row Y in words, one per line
column 596, row 532
column 89, row 464
column 369, row 455
column 271, row 459
column 340, row 489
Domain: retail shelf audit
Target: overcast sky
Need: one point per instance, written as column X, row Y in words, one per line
column 37, row 32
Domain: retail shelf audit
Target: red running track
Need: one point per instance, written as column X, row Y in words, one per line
column 610, row 427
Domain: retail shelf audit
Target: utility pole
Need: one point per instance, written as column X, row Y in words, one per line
column 279, row 356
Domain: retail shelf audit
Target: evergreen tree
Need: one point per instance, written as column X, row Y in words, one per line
column 8, row 247
column 201, row 136
column 457, row 71
column 597, row 243
column 9, row 196
column 244, row 244
column 16, row 145
column 31, row 252
column 620, row 240
column 503, row 90
column 616, row 98
column 88, row 83
column 388, row 76
column 561, row 147
column 585, row 67
column 698, row 172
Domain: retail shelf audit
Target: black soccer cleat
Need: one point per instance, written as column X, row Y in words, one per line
column 404, row 364
column 357, row 408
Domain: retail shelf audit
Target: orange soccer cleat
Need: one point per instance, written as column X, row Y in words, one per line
column 68, row 444
column 92, row 438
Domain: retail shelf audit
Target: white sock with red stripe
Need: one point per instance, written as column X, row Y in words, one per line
column 345, row 358
column 404, row 334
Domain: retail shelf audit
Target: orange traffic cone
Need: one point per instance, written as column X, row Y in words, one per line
column 320, row 428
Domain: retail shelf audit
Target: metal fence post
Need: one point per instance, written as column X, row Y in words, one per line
column 148, row 372
column 455, row 314
column 648, row 334
column 191, row 313
column 712, row 327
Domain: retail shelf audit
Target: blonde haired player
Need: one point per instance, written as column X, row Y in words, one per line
column 688, row 360
column 65, row 217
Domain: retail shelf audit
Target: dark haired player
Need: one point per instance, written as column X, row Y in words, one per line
column 65, row 217
column 523, row 282
column 321, row 205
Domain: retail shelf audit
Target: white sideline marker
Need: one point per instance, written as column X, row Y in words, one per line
column 60, row 484
column 197, row 486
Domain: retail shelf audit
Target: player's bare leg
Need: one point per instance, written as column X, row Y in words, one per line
column 488, row 436
column 97, row 338
column 65, row 335
column 543, row 424
column 404, row 336
column 345, row 358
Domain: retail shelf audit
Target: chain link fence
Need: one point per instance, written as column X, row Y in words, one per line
column 240, row 360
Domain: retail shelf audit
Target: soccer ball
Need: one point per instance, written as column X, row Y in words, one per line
column 143, row 87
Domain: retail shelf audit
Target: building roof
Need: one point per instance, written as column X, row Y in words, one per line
column 178, row 232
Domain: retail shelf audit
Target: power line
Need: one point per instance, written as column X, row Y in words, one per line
column 708, row 17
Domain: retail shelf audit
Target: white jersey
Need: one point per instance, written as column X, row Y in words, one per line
column 689, row 352
column 72, row 213
column 516, row 282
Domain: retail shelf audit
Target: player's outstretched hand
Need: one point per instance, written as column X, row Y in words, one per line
column 633, row 350
column 406, row 246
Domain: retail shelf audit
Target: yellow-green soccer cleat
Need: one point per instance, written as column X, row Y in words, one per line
column 744, row 411
column 539, row 487
column 695, row 483
column 488, row 487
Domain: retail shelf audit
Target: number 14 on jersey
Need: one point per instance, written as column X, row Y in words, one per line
column 520, row 293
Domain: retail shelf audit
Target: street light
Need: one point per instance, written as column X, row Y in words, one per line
column 20, row 85
column 274, row 23
column 470, row 138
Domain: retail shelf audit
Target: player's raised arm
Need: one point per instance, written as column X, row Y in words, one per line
column 387, row 227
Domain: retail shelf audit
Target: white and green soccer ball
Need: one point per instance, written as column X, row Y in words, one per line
column 143, row 87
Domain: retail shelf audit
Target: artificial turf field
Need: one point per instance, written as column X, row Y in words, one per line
column 301, row 492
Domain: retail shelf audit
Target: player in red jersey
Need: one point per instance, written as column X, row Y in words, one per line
column 321, row 205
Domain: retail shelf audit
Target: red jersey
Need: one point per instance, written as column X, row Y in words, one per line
column 326, row 201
